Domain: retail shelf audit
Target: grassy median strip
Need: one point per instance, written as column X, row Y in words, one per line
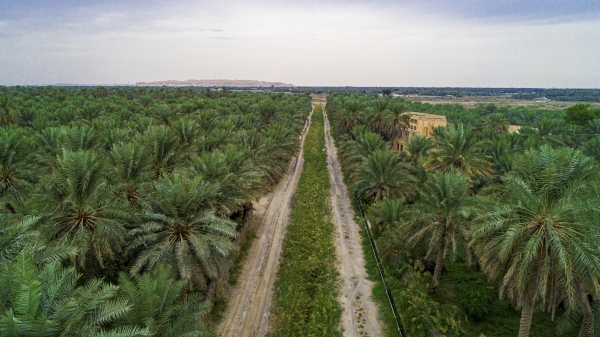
column 306, row 286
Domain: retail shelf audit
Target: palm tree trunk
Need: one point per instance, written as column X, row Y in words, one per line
column 586, row 326
column 90, row 271
column 439, row 263
column 526, row 316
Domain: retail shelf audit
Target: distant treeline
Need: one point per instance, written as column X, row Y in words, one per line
column 579, row 95
column 571, row 95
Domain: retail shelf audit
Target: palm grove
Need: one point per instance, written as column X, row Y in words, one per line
column 120, row 206
column 520, row 207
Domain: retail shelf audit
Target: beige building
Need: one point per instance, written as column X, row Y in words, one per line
column 421, row 124
column 514, row 128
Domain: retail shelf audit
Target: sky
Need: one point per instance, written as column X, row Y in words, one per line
column 457, row 43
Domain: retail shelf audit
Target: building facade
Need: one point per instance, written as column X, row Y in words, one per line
column 421, row 124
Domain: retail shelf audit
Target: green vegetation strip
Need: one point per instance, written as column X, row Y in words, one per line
column 306, row 287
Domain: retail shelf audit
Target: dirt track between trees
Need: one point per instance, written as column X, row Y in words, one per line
column 360, row 315
column 247, row 313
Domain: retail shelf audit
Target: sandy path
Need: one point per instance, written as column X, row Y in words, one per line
column 359, row 317
column 247, row 313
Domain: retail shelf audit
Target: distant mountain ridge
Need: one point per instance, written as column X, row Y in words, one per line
column 213, row 83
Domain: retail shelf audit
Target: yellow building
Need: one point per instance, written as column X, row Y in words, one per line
column 421, row 124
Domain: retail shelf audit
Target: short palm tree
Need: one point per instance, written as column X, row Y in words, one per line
column 540, row 239
column 383, row 175
column 441, row 216
column 182, row 231
column 48, row 302
column 457, row 149
column 156, row 305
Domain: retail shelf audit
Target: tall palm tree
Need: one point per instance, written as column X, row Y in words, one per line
column 183, row 231
column 417, row 147
column 130, row 174
column 364, row 143
column 496, row 122
column 16, row 168
column 441, row 216
column 83, row 213
column 349, row 117
column 383, row 175
column 387, row 214
column 396, row 121
column 457, row 149
column 540, row 239
column 162, row 144
column 237, row 178
column 7, row 111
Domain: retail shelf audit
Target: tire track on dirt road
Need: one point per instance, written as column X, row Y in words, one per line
column 247, row 314
column 360, row 315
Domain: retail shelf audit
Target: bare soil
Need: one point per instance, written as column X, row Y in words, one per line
column 247, row 314
column 360, row 315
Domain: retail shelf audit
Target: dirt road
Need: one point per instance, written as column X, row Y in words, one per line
column 247, row 314
column 359, row 317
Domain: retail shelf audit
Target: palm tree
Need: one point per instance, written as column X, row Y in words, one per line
column 417, row 147
column 364, row 143
column 48, row 302
column 164, row 113
column 496, row 122
column 457, row 149
column 387, row 214
column 162, row 144
column 237, row 178
column 541, row 239
column 156, row 305
column 183, row 231
column 383, row 175
column 396, row 121
column 349, row 117
column 441, row 216
column 130, row 172
column 16, row 173
column 7, row 115
column 83, row 214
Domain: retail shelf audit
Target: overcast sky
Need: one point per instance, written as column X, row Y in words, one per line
column 483, row 43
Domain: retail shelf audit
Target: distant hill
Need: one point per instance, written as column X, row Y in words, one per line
column 213, row 83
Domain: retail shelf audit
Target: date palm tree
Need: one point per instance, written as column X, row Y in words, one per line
column 496, row 122
column 83, row 213
column 364, row 143
column 383, row 175
column 182, row 231
column 48, row 302
column 441, row 216
column 540, row 238
column 235, row 175
column 457, row 149
column 156, row 305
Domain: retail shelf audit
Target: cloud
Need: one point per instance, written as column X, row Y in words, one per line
column 386, row 43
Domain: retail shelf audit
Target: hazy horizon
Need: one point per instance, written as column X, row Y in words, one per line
column 410, row 43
